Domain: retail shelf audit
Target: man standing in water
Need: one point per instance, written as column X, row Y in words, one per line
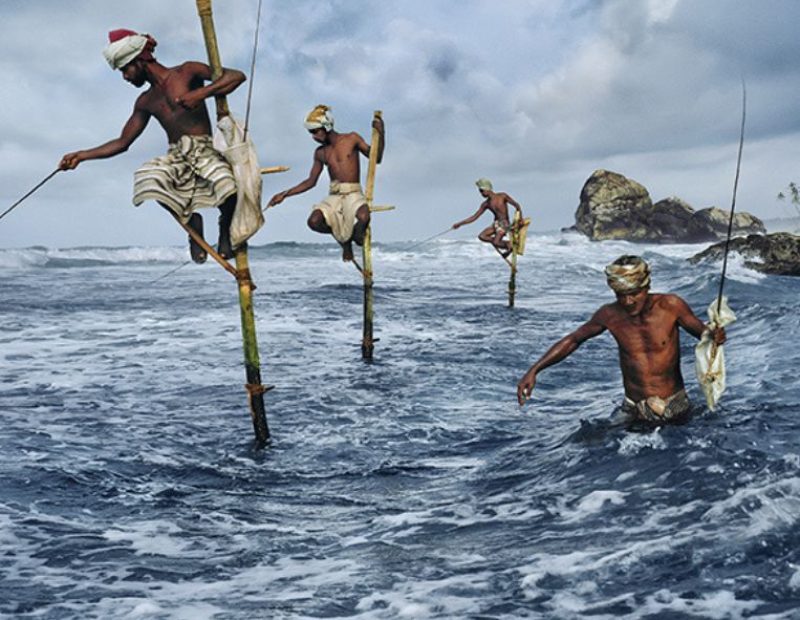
column 645, row 326
column 193, row 174
column 497, row 203
column 344, row 213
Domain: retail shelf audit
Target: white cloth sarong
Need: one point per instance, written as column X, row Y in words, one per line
column 709, row 358
column 192, row 175
column 339, row 209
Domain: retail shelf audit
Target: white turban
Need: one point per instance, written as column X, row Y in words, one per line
column 484, row 184
column 627, row 274
column 125, row 50
column 319, row 117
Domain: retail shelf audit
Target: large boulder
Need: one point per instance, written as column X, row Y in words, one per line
column 776, row 254
column 670, row 220
column 615, row 207
column 712, row 224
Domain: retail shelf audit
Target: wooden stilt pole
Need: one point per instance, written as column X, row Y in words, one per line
column 255, row 389
column 512, row 282
column 367, row 341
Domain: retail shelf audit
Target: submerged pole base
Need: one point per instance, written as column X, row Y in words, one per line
column 367, row 347
column 255, row 396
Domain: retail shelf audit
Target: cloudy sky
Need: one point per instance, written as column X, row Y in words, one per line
column 534, row 94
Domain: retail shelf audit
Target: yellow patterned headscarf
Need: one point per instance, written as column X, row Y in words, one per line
column 627, row 274
column 319, row 117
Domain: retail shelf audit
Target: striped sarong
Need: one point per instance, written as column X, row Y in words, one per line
column 192, row 175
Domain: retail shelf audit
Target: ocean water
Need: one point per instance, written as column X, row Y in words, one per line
column 409, row 487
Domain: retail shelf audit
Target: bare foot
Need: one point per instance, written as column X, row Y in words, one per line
column 347, row 251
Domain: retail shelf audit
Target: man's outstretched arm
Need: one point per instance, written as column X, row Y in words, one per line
column 471, row 218
column 132, row 130
column 560, row 350
column 303, row 186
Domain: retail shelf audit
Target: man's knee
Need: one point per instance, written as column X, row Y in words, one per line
column 316, row 221
column 362, row 214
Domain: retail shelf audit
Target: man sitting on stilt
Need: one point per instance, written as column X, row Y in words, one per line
column 497, row 203
column 344, row 213
column 192, row 175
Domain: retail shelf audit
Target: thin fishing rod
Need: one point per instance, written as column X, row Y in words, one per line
column 252, row 72
column 431, row 238
column 45, row 180
column 170, row 272
column 733, row 200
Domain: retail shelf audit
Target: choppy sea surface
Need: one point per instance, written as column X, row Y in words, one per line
column 410, row 487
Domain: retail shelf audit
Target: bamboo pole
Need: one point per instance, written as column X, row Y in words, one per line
column 367, row 341
column 255, row 390
column 512, row 282
column 274, row 169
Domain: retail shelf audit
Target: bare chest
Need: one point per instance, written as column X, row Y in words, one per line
column 652, row 334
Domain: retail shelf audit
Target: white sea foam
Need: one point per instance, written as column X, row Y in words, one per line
column 634, row 443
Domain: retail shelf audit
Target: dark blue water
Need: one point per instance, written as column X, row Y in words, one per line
column 412, row 487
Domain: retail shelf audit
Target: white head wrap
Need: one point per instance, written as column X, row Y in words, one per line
column 121, row 52
column 484, row 184
column 319, row 117
column 627, row 274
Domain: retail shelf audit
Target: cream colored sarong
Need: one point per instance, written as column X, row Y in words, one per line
column 192, row 175
column 339, row 209
column 657, row 409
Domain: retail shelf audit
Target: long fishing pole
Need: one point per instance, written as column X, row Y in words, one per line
column 252, row 71
column 431, row 238
column 45, row 180
column 733, row 200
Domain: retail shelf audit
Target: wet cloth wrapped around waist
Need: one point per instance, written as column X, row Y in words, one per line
column 657, row 409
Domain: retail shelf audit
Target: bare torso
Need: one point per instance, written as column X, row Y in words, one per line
column 649, row 345
column 160, row 101
column 341, row 157
column 497, row 203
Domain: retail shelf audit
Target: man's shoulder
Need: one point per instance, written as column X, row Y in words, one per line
column 606, row 312
column 191, row 68
column 668, row 300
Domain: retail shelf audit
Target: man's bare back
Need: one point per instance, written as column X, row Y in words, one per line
column 497, row 203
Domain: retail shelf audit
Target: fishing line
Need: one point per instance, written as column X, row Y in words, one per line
column 45, row 180
column 170, row 272
column 733, row 200
column 431, row 238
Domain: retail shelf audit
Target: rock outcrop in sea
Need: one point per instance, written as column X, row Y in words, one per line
column 775, row 254
column 615, row 207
